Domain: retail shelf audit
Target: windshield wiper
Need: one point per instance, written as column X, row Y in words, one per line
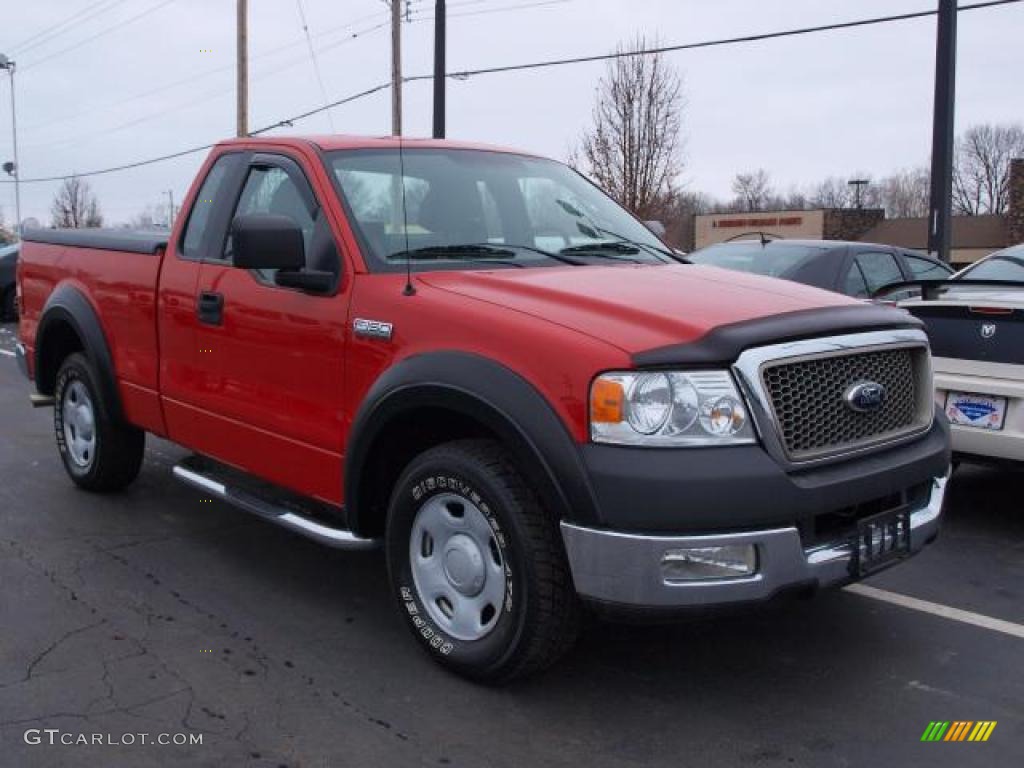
column 469, row 250
column 588, row 227
column 614, row 246
column 479, row 252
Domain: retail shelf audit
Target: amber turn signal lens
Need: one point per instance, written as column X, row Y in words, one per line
column 606, row 402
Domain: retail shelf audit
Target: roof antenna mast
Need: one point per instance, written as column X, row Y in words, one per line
column 410, row 289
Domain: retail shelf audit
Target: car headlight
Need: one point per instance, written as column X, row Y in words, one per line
column 668, row 408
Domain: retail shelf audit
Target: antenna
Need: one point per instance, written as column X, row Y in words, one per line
column 410, row 289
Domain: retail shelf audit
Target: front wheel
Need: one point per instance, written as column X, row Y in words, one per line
column 477, row 565
column 99, row 453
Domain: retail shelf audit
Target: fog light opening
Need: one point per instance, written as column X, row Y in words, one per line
column 732, row 561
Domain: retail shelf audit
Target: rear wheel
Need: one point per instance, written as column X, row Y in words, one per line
column 99, row 453
column 477, row 565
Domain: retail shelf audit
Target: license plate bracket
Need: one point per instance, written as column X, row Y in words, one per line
column 882, row 539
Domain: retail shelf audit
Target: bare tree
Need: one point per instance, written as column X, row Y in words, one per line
column 75, row 205
column 5, row 236
column 753, row 190
column 982, row 171
column 905, row 194
column 634, row 148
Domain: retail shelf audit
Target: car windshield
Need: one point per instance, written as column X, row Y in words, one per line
column 774, row 259
column 996, row 267
column 457, row 208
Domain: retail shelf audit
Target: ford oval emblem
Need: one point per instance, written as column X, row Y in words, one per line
column 865, row 396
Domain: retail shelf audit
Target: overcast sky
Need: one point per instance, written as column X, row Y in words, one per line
column 802, row 108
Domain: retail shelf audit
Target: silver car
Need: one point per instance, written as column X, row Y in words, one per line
column 975, row 323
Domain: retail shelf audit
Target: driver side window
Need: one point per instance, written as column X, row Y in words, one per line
column 269, row 189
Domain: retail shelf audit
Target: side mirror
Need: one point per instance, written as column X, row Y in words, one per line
column 267, row 241
column 308, row 280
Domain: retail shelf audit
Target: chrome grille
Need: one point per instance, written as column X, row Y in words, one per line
column 812, row 416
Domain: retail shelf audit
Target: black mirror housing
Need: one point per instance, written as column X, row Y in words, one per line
column 267, row 241
column 310, row 281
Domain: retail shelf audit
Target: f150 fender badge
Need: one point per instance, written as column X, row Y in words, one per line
column 865, row 396
column 372, row 329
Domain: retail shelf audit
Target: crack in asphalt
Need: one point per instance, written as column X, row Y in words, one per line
column 254, row 653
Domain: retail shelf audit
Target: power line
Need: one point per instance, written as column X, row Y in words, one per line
column 207, row 72
column 711, row 43
column 89, row 12
column 316, row 64
column 535, row 65
column 101, row 33
column 193, row 100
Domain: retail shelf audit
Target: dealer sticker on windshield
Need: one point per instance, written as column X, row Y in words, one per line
column 972, row 410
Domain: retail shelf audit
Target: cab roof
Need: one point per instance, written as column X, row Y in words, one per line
column 328, row 142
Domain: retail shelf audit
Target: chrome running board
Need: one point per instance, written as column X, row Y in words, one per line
column 229, row 486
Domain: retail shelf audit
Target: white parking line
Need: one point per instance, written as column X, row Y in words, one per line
column 5, row 352
column 937, row 609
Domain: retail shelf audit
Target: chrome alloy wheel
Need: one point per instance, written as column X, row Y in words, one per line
column 79, row 424
column 457, row 566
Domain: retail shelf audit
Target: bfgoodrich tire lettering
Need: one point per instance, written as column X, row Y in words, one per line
column 115, row 450
column 538, row 617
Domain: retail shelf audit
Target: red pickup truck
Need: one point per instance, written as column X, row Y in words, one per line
column 476, row 358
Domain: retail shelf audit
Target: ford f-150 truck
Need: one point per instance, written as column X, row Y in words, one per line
column 475, row 358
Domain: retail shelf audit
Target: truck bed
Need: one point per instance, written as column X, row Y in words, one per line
column 117, row 270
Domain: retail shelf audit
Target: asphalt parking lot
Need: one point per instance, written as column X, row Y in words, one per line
column 155, row 612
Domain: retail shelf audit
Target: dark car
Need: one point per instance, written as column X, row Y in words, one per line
column 856, row 269
column 8, row 266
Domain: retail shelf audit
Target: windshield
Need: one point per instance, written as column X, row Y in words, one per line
column 477, row 208
column 774, row 259
column 997, row 267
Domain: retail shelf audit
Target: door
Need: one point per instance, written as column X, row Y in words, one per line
column 273, row 358
column 179, row 276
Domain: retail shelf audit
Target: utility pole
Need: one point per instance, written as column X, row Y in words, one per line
column 170, row 209
column 439, row 68
column 396, row 67
column 13, row 168
column 242, row 51
column 940, row 208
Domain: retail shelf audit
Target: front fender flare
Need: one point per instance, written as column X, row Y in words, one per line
column 493, row 395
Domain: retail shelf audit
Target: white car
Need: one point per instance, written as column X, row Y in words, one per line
column 975, row 323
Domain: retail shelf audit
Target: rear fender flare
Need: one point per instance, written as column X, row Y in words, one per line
column 67, row 305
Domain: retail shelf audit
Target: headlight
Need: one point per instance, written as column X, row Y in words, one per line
column 668, row 408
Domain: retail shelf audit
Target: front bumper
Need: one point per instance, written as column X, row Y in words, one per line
column 622, row 568
column 22, row 360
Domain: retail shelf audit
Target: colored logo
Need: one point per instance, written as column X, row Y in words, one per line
column 959, row 730
column 865, row 396
column 974, row 409
column 988, row 330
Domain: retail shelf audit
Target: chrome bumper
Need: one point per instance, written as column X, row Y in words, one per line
column 625, row 568
column 19, row 355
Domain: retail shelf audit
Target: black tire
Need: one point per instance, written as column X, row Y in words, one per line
column 9, row 305
column 118, row 448
column 539, row 620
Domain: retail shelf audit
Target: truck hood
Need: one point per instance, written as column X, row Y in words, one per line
column 637, row 307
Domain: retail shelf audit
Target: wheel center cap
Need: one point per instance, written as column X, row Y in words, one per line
column 464, row 565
